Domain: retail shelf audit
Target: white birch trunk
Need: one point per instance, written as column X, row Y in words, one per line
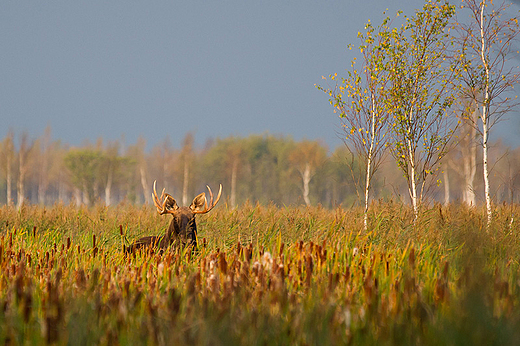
column 306, row 178
column 21, row 178
column 20, row 192
column 108, row 186
column 367, row 189
column 485, row 115
column 144, row 183
column 369, row 163
column 485, row 167
column 412, row 187
column 470, row 164
column 77, row 196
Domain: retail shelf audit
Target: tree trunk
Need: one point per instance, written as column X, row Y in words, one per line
column 144, row 184
column 469, row 158
column 485, row 115
column 367, row 190
column 21, row 178
column 369, row 162
column 306, row 178
column 468, row 153
column 108, row 186
column 485, row 165
column 412, row 187
column 20, row 192
column 77, row 196
column 446, row 187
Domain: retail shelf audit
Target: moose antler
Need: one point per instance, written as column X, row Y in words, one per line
column 211, row 203
column 163, row 208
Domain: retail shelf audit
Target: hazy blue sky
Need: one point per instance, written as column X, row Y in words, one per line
column 105, row 69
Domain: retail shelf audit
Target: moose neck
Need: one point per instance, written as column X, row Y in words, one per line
column 183, row 228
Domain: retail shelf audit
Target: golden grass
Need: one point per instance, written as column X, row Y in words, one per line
column 261, row 275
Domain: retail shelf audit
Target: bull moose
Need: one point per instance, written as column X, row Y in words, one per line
column 182, row 229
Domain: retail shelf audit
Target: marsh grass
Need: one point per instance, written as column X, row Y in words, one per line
column 261, row 275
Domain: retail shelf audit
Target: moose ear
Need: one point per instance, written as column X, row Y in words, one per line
column 171, row 203
column 198, row 203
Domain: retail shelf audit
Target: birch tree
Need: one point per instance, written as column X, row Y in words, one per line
column 464, row 160
column 360, row 99
column 305, row 158
column 486, row 47
column 420, row 95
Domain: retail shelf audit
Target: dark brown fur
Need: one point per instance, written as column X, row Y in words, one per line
column 182, row 231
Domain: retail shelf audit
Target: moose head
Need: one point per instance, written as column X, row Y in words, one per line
column 182, row 229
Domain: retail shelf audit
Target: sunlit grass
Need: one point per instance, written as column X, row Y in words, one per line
column 262, row 274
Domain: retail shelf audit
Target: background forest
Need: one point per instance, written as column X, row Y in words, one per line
column 258, row 168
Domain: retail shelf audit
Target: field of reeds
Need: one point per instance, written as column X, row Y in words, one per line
column 261, row 275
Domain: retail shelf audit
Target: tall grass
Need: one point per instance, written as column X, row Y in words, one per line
column 262, row 274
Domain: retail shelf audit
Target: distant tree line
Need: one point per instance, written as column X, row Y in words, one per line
column 258, row 168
